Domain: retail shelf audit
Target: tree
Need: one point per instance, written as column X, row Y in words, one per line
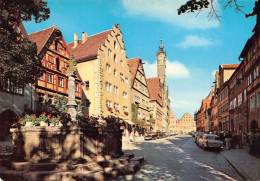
column 134, row 113
column 192, row 6
column 18, row 54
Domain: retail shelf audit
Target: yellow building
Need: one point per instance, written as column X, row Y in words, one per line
column 186, row 124
column 140, row 94
column 102, row 65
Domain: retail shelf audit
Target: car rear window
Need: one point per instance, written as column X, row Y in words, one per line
column 212, row 137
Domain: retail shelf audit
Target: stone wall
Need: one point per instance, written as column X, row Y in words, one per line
column 39, row 144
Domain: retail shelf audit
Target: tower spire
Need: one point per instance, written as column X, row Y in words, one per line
column 161, row 47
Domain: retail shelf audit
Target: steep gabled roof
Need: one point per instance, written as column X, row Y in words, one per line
column 90, row 47
column 188, row 115
column 153, row 85
column 133, row 66
column 41, row 37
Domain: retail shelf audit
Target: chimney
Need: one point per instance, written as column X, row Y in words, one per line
column 76, row 40
column 84, row 37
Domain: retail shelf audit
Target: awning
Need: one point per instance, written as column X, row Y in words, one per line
column 129, row 121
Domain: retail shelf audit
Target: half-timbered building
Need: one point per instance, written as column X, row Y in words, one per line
column 54, row 55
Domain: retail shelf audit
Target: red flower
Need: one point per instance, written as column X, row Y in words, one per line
column 61, row 121
column 44, row 113
column 49, row 116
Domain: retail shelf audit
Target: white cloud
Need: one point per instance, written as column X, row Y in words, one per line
column 174, row 69
column 166, row 11
column 196, row 41
column 213, row 73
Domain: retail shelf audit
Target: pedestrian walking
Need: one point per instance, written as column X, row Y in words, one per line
column 132, row 134
column 228, row 140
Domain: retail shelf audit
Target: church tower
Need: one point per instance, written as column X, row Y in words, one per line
column 161, row 66
column 161, row 74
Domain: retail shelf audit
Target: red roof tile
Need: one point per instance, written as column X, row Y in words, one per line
column 90, row 47
column 133, row 65
column 229, row 66
column 41, row 37
column 153, row 85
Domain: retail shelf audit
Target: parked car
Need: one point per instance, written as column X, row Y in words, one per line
column 148, row 137
column 198, row 135
column 210, row 141
column 173, row 134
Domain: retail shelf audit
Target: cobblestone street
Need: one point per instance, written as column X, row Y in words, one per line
column 178, row 158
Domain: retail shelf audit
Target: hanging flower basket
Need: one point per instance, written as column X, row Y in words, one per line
column 28, row 124
column 110, row 109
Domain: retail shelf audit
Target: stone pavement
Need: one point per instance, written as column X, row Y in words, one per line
column 246, row 165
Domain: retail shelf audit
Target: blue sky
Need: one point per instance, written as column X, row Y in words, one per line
column 195, row 46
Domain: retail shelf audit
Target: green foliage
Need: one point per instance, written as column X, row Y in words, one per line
column 141, row 124
column 152, row 120
column 193, row 5
column 134, row 113
column 18, row 55
column 60, row 104
column 79, row 109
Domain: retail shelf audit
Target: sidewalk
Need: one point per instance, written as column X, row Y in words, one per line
column 247, row 165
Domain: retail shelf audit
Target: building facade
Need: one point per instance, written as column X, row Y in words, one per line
column 251, row 56
column 173, row 123
column 238, row 100
column 214, row 106
column 103, row 67
column 200, row 116
column 54, row 55
column 139, row 91
column 156, row 102
column 225, row 72
column 186, row 124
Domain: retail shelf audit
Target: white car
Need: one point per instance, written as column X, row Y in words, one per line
column 210, row 141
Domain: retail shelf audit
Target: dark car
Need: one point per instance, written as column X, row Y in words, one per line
column 148, row 137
